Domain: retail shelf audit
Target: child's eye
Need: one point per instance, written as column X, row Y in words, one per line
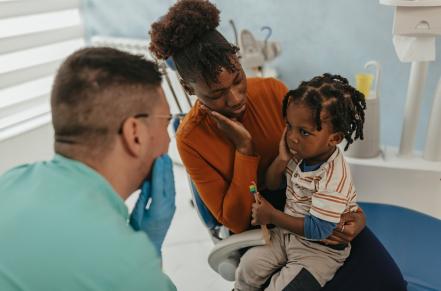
column 304, row 132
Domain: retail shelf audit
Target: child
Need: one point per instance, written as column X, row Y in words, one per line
column 319, row 114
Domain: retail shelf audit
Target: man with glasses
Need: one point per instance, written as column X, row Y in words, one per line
column 63, row 223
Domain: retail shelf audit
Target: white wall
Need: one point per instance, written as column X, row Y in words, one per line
column 28, row 147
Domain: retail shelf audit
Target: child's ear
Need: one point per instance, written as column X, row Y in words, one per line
column 186, row 87
column 335, row 138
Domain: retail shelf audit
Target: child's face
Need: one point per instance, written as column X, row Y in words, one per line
column 304, row 139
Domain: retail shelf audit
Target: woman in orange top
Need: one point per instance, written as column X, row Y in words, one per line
column 224, row 155
column 231, row 135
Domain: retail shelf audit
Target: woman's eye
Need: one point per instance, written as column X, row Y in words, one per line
column 215, row 97
column 304, row 132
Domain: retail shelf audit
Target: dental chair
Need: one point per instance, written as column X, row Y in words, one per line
column 411, row 238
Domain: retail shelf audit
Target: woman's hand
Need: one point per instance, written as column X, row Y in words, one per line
column 352, row 223
column 262, row 211
column 235, row 131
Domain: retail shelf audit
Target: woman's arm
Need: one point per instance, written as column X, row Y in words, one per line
column 229, row 202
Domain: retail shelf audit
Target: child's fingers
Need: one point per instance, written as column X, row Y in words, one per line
column 333, row 240
column 254, row 212
column 259, row 197
column 261, row 200
column 339, row 237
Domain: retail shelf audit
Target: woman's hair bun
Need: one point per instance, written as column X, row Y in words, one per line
column 185, row 22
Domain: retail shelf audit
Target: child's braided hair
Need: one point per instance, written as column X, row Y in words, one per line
column 332, row 93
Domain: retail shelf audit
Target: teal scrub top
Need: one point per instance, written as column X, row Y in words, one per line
column 63, row 227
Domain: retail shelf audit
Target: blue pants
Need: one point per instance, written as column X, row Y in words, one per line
column 368, row 268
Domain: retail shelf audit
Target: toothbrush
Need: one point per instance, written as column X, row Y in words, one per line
column 265, row 231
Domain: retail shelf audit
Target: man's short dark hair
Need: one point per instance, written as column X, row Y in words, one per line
column 95, row 90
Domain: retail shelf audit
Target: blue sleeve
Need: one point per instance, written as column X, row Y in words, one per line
column 316, row 228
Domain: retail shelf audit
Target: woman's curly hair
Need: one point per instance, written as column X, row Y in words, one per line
column 188, row 34
column 344, row 104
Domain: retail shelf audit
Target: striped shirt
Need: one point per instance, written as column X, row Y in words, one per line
column 326, row 193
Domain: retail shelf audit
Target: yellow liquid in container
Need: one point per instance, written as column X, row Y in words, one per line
column 363, row 83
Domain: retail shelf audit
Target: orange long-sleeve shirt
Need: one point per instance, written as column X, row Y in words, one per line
column 221, row 174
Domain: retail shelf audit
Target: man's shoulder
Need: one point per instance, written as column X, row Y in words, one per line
column 19, row 175
column 16, row 171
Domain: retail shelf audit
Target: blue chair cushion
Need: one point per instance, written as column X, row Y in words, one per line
column 413, row 239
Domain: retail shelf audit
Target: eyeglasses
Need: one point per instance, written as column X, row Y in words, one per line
column 168, row 117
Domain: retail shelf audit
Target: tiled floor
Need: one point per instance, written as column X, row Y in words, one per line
column 187, row 245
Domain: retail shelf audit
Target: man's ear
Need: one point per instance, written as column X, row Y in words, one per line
column 187, row 87
column 335, row 138
column 131, row 135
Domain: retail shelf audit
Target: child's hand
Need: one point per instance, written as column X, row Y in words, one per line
column 262, row 211
column 284, row 153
